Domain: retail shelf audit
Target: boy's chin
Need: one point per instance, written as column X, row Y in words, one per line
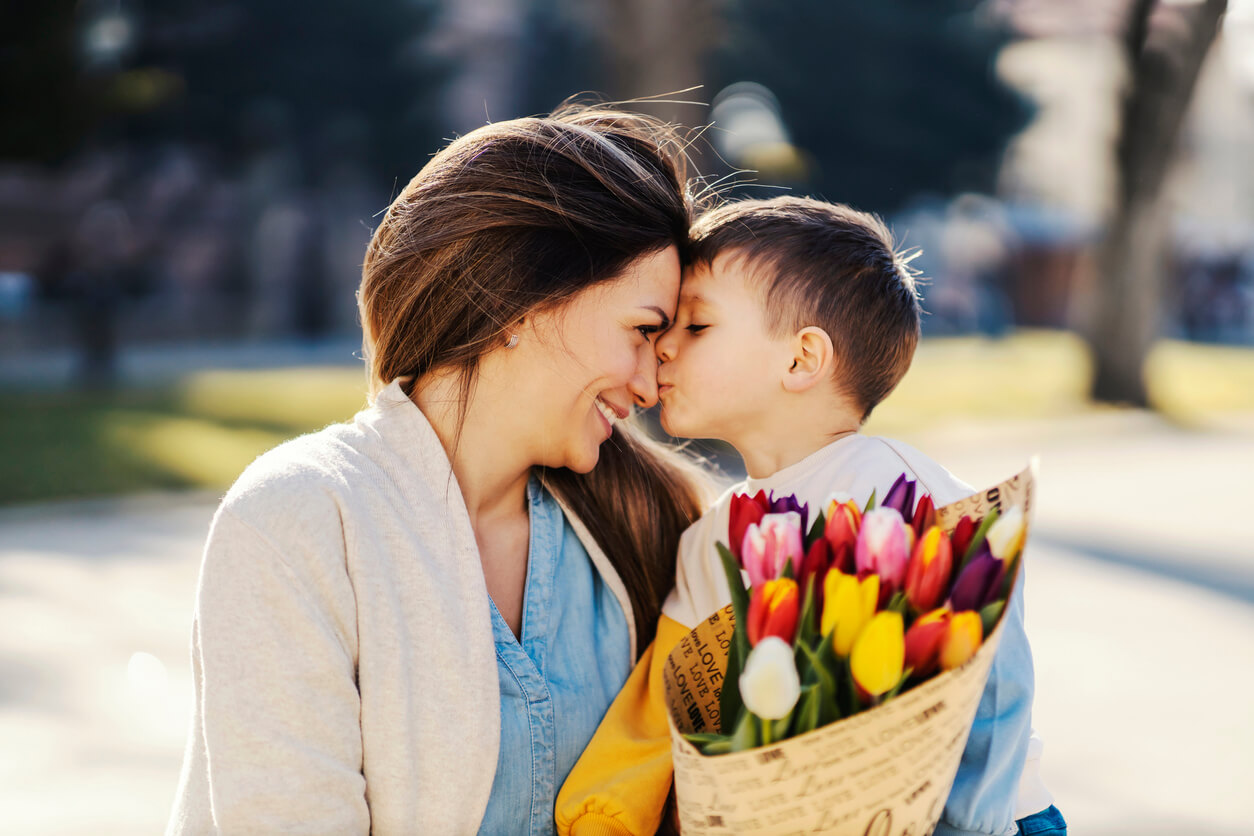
column 676, row 426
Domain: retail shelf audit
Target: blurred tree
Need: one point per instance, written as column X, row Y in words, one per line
column 45, row 103
column 1164, row 61
column 886, row 100
column 316, row 61
column 188, row 70
column 656, row 47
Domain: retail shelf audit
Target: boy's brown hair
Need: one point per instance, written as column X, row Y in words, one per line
column 829, row 266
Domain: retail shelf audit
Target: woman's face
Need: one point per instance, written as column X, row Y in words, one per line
column 579, row 368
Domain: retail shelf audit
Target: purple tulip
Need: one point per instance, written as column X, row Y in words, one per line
column 789, row 503
column 978, row 583
column 900, row 497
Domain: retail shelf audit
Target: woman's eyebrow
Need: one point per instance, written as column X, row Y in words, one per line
column 666, row 320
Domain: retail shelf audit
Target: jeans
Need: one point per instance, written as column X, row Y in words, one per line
column 1048, row 822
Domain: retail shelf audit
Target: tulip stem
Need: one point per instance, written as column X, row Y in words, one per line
column 766, row 732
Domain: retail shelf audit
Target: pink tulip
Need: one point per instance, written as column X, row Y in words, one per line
column 770, row 544
column 884, row 545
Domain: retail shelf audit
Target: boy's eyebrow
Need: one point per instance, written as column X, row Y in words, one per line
column 666, row 320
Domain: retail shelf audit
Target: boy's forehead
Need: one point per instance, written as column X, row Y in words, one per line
column 708, row 282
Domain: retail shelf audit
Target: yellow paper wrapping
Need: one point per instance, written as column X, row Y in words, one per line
column 883, row 771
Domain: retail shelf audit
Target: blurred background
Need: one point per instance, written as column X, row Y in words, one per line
column 187, row 188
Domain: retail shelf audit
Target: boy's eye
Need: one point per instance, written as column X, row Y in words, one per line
column 696, row 329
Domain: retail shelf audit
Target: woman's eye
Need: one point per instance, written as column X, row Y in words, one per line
column 696, row 329
column 648, row 331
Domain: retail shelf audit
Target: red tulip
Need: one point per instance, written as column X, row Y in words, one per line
column 773, row 610
column 924, row 516
column 844, row 519
column 927, row 577
column 924, row 640
column 746, row 510
column 815, row 564
column 962, row 535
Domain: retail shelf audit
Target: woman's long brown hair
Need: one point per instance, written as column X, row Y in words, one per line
column 519, row 216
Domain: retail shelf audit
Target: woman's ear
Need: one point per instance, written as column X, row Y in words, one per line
column 813, row 356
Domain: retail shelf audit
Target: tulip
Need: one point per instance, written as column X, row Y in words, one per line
column 962, row 640
column 927, row 577
column 963, row 532
column 978, row 583
column 844, row 518
column 884, row 545
column 773, row 610
column 745, row 511
column 879, row 653
column 924, row 516
column 848, row 605
column 769, row 684
column 1005, row 537
column 814, row 567
column 924, row 640
column 769, row 545
column 900, row 496
column 789, row 503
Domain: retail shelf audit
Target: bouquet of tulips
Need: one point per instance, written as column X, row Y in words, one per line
column 843, row 615
column 868, row 625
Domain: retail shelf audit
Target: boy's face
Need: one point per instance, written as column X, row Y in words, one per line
column 720, row 372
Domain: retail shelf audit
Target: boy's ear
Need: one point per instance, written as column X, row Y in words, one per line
column 813, row 356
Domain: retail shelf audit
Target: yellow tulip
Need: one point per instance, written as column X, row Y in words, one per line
column 966, row 632
column 848, row 604
column 879, row 654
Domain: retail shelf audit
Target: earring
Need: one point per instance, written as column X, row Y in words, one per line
column 513, row 341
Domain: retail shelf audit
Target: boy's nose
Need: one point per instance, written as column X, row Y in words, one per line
column 665, row 346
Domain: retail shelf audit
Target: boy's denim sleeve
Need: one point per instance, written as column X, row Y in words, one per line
column 983, row 796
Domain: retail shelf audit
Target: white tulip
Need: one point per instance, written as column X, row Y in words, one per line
column 1005, row 536
column 769, row 685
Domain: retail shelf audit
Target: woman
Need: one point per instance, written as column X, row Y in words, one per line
column 414, row 622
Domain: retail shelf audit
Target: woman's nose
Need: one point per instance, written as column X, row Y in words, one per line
column 643, row 384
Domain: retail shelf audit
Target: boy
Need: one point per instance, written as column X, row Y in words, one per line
column 796, row 318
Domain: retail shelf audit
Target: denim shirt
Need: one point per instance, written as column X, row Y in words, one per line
column 983, row 795
column 557, row 684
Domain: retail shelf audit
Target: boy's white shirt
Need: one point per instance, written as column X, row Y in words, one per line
column 855, row 465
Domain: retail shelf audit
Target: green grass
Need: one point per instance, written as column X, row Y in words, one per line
column 202, row 431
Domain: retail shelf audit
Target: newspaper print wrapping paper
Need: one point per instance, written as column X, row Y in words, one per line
column 883, row 772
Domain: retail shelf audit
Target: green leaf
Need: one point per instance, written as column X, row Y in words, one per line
column 722, row 746
column 729, row 703
column 807, row 714
column 978, row 539
column 789, row 572
column 990, row 614
column 816, row 530
column 806, row 634
column 699, row 739
column 898, row 603
column 746, row 735
column 870, row 503
column 739, row 600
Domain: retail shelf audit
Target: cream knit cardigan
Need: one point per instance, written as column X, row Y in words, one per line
column 342, row 649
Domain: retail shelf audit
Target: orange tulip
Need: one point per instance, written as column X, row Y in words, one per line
column 962, row 640
column 773, row 610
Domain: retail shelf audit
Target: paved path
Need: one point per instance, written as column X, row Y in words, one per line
column 1140, row 609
